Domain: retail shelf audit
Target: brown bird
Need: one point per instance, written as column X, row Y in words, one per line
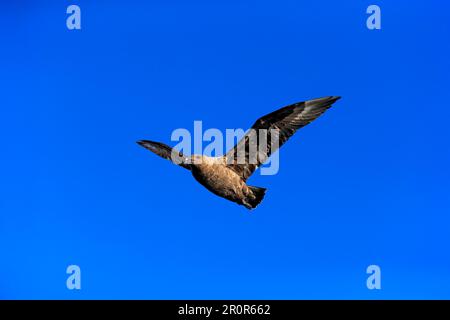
column 226, row 175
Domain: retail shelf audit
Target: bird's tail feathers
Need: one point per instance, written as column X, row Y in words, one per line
column 252, row 202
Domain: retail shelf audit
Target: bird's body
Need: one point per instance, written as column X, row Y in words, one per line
column 226, row 176
column 220, row 179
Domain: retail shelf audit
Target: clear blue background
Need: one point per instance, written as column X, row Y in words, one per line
column 367, row 183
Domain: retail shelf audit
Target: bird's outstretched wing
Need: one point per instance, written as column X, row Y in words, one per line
column 280, row 125
column 166, row 152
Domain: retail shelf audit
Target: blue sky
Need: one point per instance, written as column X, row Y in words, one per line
column 367, row 183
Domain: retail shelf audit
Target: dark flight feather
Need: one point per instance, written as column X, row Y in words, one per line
column 285, row 122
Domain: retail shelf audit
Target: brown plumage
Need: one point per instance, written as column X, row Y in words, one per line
column 226, row 176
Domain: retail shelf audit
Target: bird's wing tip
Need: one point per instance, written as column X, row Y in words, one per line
column 141, row 142
column 333, row 99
